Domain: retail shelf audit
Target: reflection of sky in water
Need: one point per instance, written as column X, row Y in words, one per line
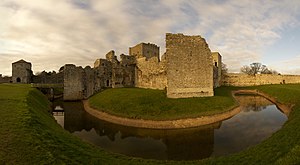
column 60, row 120
column 246, row 129
column 257, row 121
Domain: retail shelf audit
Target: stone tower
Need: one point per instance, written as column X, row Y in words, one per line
column 217, row 62
column 189, row 66
column 21, row 72
column 144, row 50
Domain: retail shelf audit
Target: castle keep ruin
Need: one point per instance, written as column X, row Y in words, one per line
column 189, row 66
column 186, row 69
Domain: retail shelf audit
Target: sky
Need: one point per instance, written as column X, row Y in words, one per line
column 51, row 33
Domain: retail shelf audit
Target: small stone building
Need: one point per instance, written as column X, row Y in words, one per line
column 21, row 72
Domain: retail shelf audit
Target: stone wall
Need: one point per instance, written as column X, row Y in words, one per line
column 185, row 70
column 189, row 66
column 5, row 79
column 88, row 79
column 128, row 64
column 237, row 79
column 217, row 62
column 144, row 50
column 103, row 69
column 73, row 82
column 49, row 78
column 81, row 83
column 151, row 74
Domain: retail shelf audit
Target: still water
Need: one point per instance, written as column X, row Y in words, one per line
column 257, row 121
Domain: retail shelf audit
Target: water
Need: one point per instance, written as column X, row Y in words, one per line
column 257, row 121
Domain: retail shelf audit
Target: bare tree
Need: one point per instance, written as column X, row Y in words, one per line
column 246, row 69
column 257, row 68
column 224, row 69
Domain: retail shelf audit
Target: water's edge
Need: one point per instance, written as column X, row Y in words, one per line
column 180, row 123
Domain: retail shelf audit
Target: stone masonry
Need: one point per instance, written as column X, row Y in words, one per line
column 186, row 69
column 217, row 62
column 238, row 79
column 189, row 66
column 81, row 83
column 21, row 72
column 144, row 50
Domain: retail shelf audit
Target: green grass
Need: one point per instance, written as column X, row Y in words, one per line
column 29, row 134
column 154, row 105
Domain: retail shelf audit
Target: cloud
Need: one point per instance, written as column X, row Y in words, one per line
column 289, row 66
column 51, row 33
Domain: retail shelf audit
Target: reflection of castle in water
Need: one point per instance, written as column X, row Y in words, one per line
column 253, row 102
column 189, row 144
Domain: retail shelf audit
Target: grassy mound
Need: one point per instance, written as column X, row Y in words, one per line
column 154, row 105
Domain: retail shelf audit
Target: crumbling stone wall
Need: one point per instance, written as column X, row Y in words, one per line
column 79, row 83
column 185, row 70
column 114, row 73
column 128, row 64
column 189, row 66
column 73, row 82
column 217, row 62
column 151, row 73
column 144, row 50
column 88, row 79
column 237, row 79
column 49, row 78
column 5, row 79
column 103, row 69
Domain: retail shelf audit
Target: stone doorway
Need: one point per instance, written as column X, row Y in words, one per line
column 18, row 79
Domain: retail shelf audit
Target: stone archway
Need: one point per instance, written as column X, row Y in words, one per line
column 18, row 79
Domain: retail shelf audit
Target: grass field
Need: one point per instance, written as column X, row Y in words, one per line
column 154, row 105
column 29, row 134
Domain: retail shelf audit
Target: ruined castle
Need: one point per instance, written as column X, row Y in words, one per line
column 187, row 69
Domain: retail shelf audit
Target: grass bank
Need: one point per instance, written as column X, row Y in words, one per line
column 154, row 105
column 29, row 135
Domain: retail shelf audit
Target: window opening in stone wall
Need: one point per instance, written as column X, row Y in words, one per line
column 18, row 79
column 216, row 64
column 107, row 83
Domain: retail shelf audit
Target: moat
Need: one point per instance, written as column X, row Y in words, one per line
column 257, row 121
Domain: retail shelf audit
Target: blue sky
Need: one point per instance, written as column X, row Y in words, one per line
column 51, row 33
